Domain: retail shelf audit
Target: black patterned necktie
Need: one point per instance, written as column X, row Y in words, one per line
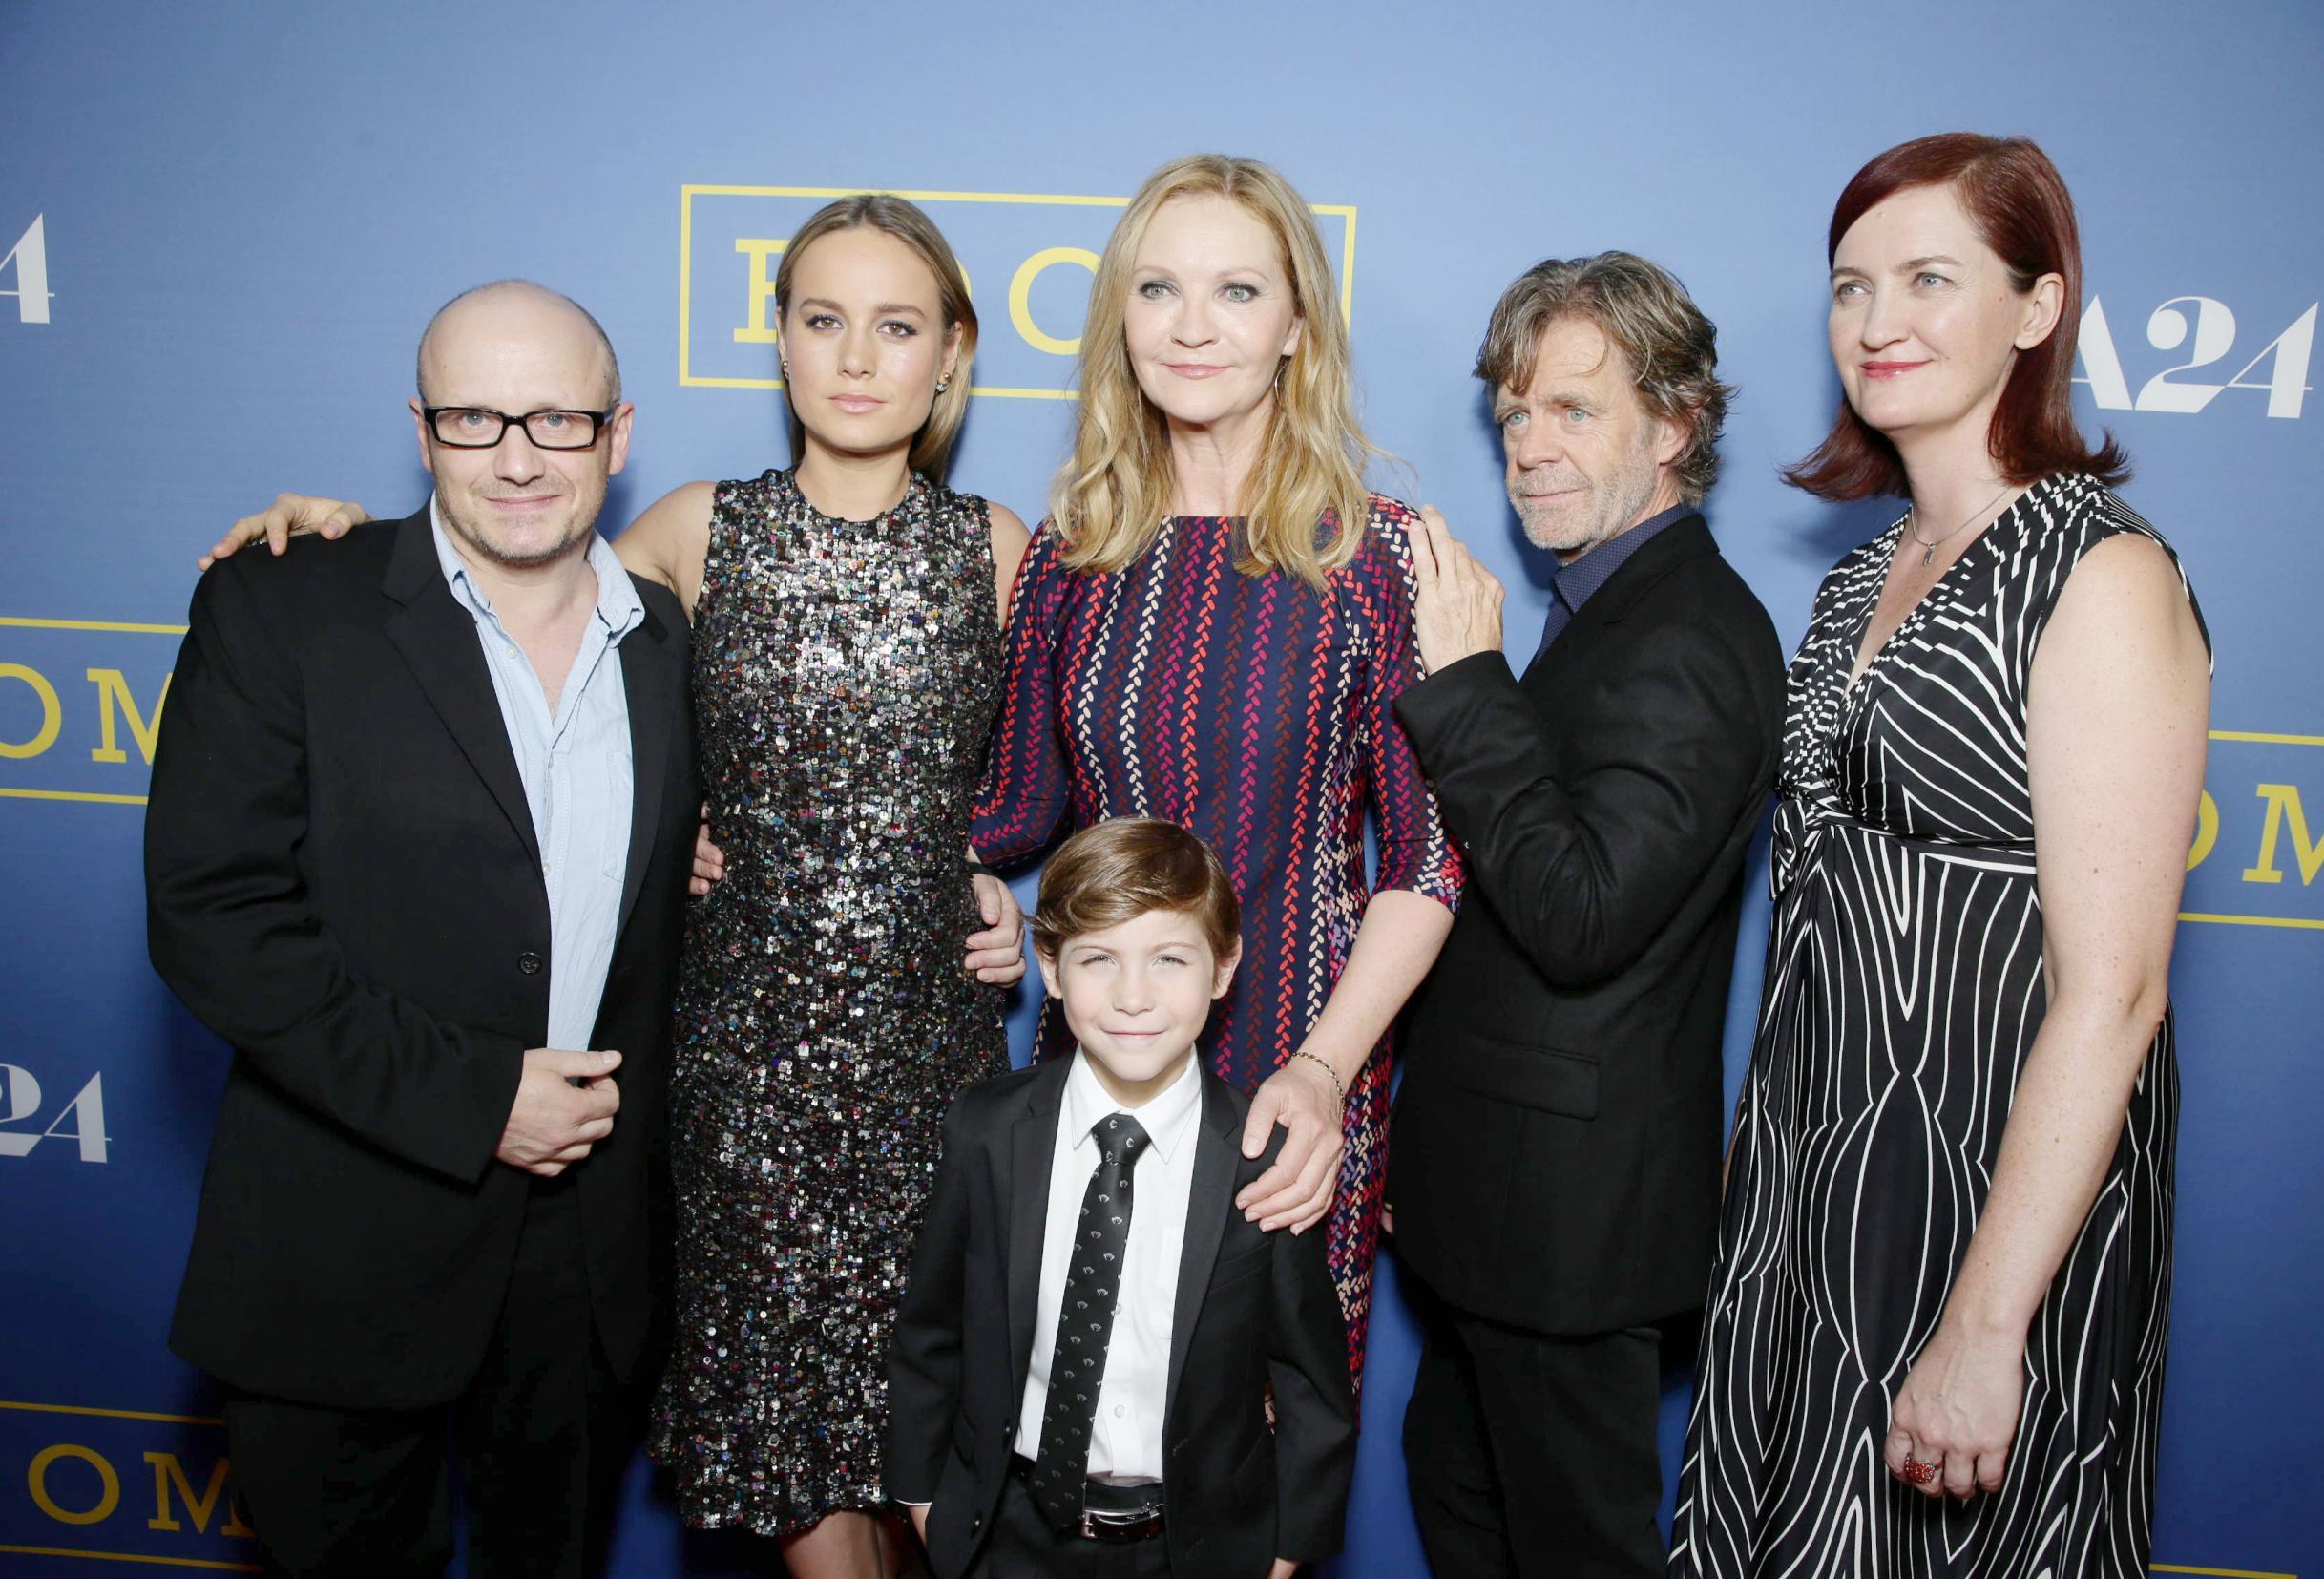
column 1085, row 1323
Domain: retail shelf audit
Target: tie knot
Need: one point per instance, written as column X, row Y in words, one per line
column 1119, row 1137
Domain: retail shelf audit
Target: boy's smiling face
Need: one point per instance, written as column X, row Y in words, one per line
column 1137, row 995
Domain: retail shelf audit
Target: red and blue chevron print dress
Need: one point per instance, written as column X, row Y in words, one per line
column 1258, row 712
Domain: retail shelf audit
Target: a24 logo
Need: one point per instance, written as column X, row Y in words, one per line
column 82, row 1120
column 2284, row 358
column 30, row 259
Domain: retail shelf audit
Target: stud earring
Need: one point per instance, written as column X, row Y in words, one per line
column 943, row 384
column 786, row 366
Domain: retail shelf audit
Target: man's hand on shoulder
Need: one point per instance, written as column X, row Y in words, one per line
column 565, row 1103
column 1457, row 611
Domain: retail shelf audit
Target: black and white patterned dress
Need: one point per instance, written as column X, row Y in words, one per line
column 1904, row 986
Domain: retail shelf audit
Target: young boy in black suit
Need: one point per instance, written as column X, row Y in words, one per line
column 1083, row 1358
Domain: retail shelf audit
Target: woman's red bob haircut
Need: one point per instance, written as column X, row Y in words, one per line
column 2023, row 212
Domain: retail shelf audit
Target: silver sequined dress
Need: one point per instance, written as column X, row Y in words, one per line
column 845, row 677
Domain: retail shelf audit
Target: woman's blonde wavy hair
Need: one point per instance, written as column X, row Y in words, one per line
column 1110, row 499
column 932, row 447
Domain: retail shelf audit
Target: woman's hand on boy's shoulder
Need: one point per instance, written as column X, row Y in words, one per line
column 1296, row 1190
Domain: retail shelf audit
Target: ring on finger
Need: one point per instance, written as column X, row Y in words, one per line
column 1918, row 1471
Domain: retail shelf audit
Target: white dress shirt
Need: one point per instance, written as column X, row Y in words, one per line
column 1127, row 1444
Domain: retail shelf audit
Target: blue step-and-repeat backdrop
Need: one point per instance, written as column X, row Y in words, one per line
column 223, row 228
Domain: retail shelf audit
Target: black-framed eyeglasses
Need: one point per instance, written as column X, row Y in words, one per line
column 473, row 428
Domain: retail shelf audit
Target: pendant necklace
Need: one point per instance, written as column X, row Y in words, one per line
column 1927, row 546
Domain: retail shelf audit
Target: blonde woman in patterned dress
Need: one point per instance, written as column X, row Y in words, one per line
column 846, row 652
column 1936, row 1333
column 1213, row 627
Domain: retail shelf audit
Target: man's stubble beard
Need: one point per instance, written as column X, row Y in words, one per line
column 1603, row 524
column 478, row 543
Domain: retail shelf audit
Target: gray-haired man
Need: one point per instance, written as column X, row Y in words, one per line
column 1555, row 1170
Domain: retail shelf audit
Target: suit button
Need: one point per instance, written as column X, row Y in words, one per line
column 1008, row 1432
column 976, row 1523
column 529, row 962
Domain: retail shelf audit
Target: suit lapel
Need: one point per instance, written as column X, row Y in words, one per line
column 438, row 638
column 1024, row 1186
column 1216, row 1151
column 647, row 668
column 1674, row 545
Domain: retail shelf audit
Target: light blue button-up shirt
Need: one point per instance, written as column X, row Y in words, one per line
column 577, row 776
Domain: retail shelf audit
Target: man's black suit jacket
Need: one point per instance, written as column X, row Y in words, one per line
column 1555, row 1162
column 343, row 882
column 1253, row 1309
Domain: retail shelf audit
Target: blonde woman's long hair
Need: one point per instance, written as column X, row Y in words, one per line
column 1110, row 499
column 932, row 447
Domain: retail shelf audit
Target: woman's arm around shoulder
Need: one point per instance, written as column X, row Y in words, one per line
column 671, row 542
column 291, row 516
column 1010, row 539
column 1024, row 795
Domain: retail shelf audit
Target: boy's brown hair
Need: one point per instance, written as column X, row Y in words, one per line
column 1118, row 870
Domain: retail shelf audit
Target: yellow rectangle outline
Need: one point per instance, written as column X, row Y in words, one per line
column 110, row 1413
column 2252, row 920
column 89, row 795
column 121, row 1556
column 686, row 263
column 201, row 1419
column 2241, row 736
column 132, row 1557
column 2246, row 737
column 20, row 621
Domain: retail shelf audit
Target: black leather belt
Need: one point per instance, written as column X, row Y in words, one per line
column 1109, row 1511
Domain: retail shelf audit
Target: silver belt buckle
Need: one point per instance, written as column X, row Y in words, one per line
column 1110, row 1529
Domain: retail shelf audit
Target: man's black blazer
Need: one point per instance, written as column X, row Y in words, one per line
column 1554, row 1161
column 343, row 882
column 1253, row 1309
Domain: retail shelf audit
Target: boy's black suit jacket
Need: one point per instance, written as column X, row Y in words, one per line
column 1554, row 1164
column 1253, row 1309
column 343, row 882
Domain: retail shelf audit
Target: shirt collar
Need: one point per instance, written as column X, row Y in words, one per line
column 1577, row 581
column 1168, row 1119
column 619, row 608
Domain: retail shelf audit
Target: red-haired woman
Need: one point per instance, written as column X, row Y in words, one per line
column 1935, row 1339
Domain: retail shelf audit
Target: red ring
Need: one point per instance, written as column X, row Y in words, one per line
column 1918, row 1471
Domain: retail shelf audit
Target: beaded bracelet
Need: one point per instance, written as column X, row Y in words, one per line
column 1337, row 1084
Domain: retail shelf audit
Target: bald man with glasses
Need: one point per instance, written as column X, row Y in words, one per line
column 421, row 823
